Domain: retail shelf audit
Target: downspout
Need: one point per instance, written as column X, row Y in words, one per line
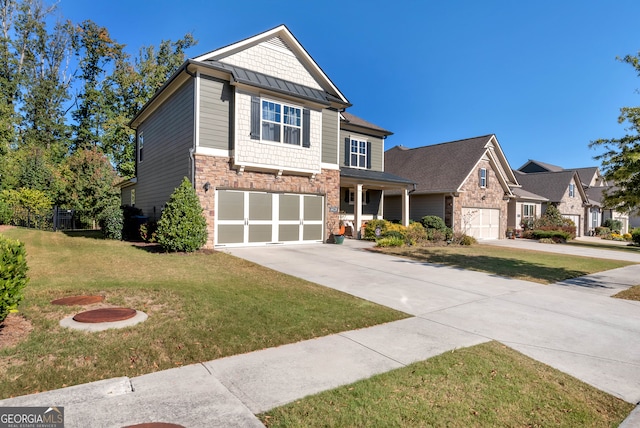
column 192, row 150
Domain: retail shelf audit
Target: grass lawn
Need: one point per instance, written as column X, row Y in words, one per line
column 632, row 293
column 481, row 386
column 536, row 266
column 201, row 307
column 604, row 246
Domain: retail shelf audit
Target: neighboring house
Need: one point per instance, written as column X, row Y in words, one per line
column 562, row 189
column 467, row 183
column 260, row 131
column 594, row 185
column 524, row 208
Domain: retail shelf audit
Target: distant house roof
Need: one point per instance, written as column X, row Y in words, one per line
column 524, row 194
column 532, row 166
column 353, row 120
column 443, row 168
column 587, row 174
column 551, row 185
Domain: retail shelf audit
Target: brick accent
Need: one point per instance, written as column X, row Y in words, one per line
column 472, row 195
column 217, row 171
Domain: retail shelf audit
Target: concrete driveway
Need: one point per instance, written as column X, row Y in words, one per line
column 573, row 326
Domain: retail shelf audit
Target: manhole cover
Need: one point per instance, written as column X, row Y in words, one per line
column 154, row 425
column 105, row 315
column 77, row 300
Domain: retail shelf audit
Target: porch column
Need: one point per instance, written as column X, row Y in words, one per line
column 357, row 210
column 405, row 207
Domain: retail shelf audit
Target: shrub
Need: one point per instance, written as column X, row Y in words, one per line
column 13, row 275
column 149, row 231
column 416, row 234
column 372, row 225
column 433, row 222
column 182, row 227
column 635, row 236
column 111, row 220
column 614, row 225
column 5, row 212
column 390, row 241
column 397, row 230
column 602, row 231
column 626, row 237
column 555, row 235
column 468, row 240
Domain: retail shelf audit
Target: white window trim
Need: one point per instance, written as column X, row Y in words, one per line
column 531, row 207
column 281, row 123
column 360, row 156
column 483, row 178
column 140, row 147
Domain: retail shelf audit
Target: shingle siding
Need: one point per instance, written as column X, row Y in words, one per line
column 168, row 136
column 216, row 106
column 330, row 144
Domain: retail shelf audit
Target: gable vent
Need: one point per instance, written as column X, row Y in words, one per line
column 279, row 44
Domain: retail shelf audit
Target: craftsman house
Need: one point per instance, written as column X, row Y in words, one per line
column 262, row 134
column 467, row 183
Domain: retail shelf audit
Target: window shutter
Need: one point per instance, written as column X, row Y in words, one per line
column 306, row 128
column 347, row 152
column 255, row 117
column 368, row 154
column 486, row 178
column 346, row 195
column 367, row 198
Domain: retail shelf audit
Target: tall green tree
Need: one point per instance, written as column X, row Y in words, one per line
column 621, row 159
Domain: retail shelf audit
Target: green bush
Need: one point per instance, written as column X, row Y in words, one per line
column 149, row 231
column 5, row 212
column 390, row 241
column 372, row 225
column 555, row 235
column 416, row 234
column 613, row 225
column 468, row 240
column 13, row 275
column 635, row 235
column 182, row 227
column 603, row 231
column 111, row 221
column 433, row 222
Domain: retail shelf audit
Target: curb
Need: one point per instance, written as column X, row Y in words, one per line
column 633, row 420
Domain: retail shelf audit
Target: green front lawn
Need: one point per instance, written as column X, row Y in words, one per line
column 536, row 266
column 488, row 385
column 201, row 307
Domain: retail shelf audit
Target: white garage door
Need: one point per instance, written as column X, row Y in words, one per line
column 576, row 220
column 258, row 218
column 481, row 223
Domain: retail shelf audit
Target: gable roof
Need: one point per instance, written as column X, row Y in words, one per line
column 533, row 166
column 443, row 168
column 551, row 185
column 587, row 174
column 288, row 40
column 351, row 121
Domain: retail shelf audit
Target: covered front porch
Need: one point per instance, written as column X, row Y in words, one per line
column 362, row 197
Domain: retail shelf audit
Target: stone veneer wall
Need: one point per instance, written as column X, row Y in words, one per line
column 218, row 172
column 471, row 197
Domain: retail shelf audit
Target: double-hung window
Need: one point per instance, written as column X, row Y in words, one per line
column 483, row 177
column 358, row 153
column 281, row 123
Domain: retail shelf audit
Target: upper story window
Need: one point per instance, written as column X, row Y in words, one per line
column 140, row 146
column 280, row 122
column 572, row 190
column 483, row 177
column 358, row 153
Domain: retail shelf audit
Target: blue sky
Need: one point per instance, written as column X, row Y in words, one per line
column 541, row 75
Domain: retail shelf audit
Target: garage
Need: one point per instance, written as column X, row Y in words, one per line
column 481, row 223
column 259, row 218
column 576, row 221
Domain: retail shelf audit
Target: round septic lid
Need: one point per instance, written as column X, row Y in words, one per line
column 77, row 300
column 154, row 425
column 105, row 315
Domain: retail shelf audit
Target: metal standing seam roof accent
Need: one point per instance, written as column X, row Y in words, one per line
column 366, row 174
column 261, row 80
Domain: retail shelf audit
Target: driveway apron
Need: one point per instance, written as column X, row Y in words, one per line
column 574, row 326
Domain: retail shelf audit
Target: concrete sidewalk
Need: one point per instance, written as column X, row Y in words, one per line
column 574, row 327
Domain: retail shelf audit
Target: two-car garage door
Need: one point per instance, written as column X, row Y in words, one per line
column 481, row 223
column 254, row 218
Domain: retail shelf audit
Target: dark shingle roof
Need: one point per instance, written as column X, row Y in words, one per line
column 551, row 185
column 352, row 119
column 524, row 194
column 533, row 166
column 586, row 174
column 438, row 168
column 262, row 80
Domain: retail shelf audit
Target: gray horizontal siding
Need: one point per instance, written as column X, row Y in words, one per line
column 377, row 149
column 330, row 136
column 419, row 206
column 216, row 103
column 168, row 136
